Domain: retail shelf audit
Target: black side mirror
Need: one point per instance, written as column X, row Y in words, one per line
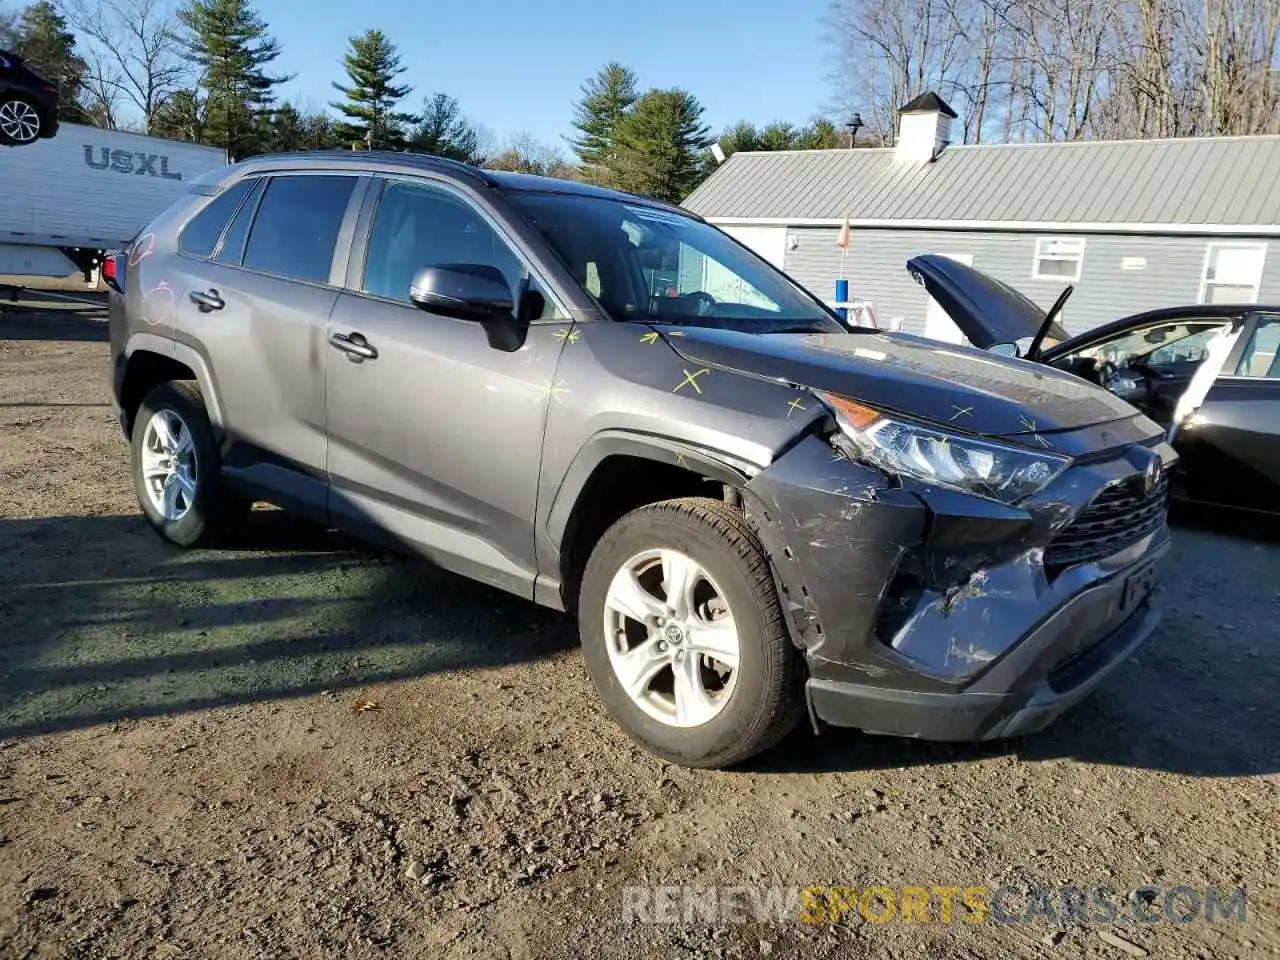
column 465, row 291
column 473, row 291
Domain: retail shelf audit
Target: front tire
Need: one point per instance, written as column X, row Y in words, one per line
column 683, row 635
column 177, row 470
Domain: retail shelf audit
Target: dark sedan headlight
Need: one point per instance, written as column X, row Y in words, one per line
column 986, row 468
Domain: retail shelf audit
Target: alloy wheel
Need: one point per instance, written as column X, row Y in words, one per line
column 19, row 121
column 671, row 638
column 169, row 465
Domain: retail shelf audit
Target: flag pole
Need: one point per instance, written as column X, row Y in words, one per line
column 842, row 285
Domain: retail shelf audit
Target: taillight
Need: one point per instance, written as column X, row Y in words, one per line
column 113, row 271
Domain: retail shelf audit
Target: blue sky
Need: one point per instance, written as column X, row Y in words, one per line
column 516, row 66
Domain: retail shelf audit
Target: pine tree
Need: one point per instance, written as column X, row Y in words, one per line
column 230, row 44
column 660, row 145
column 778, row 135
column 41, row 38
column 371, row 119
column 445, row 132
column 318, row 132
column 741, row 136
column 283, row 129
column 820, row 135
column 181, row 117
column 606, row 99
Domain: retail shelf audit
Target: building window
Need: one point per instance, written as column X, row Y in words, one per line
column 1058, row 258
column 1233, row 272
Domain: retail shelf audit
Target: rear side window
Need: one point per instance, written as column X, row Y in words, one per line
column 231, row 250
column 296, row 227
column 201, row 234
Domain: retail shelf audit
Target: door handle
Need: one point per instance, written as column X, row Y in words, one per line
column 207, row 301
column 355, row 346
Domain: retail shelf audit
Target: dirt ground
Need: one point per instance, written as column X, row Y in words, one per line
column 184, row 772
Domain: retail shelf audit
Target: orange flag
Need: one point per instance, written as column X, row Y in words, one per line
column 843, row 241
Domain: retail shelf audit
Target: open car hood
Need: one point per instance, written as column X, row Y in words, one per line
column 987, row 311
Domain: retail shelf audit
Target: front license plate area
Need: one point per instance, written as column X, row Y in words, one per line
column 1137, row 587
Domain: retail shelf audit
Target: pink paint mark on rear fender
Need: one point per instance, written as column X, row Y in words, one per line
column 159, row 305
column 142, row 248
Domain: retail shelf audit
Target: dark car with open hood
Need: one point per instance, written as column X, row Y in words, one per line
column 609, row 407
column 28, row 103
column 1208, row 374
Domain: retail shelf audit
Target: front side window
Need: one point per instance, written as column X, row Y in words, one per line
column 648, row 264
column 1261, row 357
column 1192, row 348
column 296, row 227
column 418, row 225
column 200, row 236
column 1167, row 345
column 1233, row 272
column 1058, row 258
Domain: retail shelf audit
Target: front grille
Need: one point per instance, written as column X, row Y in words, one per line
column 1120, row 516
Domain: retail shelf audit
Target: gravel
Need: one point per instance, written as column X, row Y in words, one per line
column 186, row 770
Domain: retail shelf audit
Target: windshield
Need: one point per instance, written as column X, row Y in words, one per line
column 647, row 264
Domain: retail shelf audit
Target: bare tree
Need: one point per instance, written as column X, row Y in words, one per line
column 1064, row 69
column 134, row 55
column 525, row 154
column 888, row 52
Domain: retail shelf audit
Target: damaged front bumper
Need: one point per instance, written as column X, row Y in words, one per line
column 930, row 613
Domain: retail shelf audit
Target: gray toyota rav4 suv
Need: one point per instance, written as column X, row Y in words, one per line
column 608, row 406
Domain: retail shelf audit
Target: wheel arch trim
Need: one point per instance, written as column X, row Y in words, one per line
column 714, row 464
column 189, row 357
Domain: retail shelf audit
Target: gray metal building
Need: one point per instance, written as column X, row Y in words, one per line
column 1132, row 224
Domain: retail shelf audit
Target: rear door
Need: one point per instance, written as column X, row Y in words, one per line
column 1230, row 441
column 435, row 437
column 256, row 306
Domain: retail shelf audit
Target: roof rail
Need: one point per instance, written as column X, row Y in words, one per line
column 421, row 160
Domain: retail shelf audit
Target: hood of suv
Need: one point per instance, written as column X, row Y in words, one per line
column 975, row 391
column 987, row 311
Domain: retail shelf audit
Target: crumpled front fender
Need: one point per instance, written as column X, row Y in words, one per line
column 910, row 585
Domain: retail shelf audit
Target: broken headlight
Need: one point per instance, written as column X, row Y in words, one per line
column 986, row 468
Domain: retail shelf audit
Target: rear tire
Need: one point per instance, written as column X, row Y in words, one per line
column 20, row 121
column 177, row 469
column 737, row 711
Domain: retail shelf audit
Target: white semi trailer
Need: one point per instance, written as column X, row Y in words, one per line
column 65, row 200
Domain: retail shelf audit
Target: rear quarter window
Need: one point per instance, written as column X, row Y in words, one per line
column 296, row 227
column 200, row 236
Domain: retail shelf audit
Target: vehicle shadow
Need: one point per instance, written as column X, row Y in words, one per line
column 1199, row 699
column 100, row 621
column 50, row 321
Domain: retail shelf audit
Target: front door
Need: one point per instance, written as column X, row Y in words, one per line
column 1229, row 442
column 937, row 324
column 435, row 442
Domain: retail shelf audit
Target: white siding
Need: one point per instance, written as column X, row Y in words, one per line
column 876, row 269
column 65, row 192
